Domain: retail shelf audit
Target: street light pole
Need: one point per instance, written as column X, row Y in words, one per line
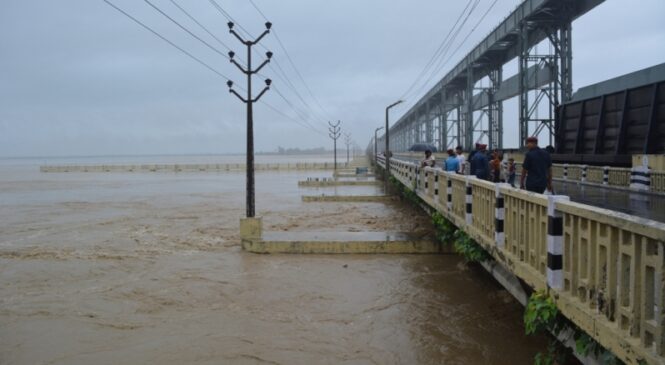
column 388, row 145
column 376, row 143
column 250, row 200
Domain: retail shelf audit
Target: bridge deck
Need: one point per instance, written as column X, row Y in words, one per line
column 641, row 205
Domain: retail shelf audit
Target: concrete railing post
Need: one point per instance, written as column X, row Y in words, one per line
column 449, row 192
column 606, row 175
column 555, row 242
column 640, row 178
column 426, row 178
column 469, row 201
column 499, row 216
column 583, row 178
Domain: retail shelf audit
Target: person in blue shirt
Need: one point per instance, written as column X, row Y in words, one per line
column 452, row 162
column 480, row 163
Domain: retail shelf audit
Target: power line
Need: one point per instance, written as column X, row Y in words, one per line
column 436, row 52
column 166, row 40
column 230, row 18
column 444, row 53
column 288, row 117
column 294, row 108
column 201, row 62
column 439, row 68
column 200, row 25
column 186, row 30
column 288, row 57
column 279, row 71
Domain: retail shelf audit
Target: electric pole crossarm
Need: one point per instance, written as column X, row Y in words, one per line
column 236, row 34
column 238, row 95
column 265, row 32
column 261, row 94
column 261, row 66
column 242, row 69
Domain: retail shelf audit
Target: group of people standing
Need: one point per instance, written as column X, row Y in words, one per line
column 536, row 169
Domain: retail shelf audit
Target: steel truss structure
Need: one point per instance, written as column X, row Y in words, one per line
column 460, row 110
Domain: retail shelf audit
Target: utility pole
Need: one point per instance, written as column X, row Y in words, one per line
column 334, row 130
column 347, row 141
column 250, row 199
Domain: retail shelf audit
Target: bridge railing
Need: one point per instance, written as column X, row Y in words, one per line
column 658, row 181
column 483, row 199
column 613, row 266
column 605, row 175
column 605, row 269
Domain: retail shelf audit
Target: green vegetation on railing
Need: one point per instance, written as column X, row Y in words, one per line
column 445, row 229
column 468, row 248
column 407, row 194
column 542, row 315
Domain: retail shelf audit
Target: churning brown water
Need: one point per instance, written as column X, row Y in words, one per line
column 146, row 268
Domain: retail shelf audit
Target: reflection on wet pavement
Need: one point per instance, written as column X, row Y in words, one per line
column 638, row 204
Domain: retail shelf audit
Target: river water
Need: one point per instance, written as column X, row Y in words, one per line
column 141, row 268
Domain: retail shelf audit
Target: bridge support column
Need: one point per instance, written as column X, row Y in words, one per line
column 555, row 242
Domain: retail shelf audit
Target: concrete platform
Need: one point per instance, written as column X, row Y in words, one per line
column 326, row 183
column 345, row 243
column 349, row 198
column 353, row 175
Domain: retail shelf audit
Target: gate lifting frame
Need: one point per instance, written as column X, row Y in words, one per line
column 451, row 114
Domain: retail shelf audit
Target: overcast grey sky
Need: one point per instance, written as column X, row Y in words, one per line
column 79, row 78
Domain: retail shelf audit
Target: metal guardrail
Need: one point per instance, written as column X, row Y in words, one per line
column 605, row 269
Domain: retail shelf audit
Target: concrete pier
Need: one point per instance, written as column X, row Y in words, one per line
column 327, row 183
column 344, row 243
column 349, row 198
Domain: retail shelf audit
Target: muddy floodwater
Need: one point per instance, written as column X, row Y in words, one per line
column 146, row 268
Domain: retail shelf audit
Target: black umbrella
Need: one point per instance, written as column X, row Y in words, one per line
column 421, row 147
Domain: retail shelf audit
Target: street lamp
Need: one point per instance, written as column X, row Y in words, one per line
column 388, row 145
column 376, row 143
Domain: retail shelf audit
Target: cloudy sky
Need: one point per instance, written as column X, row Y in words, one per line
column 79, row 78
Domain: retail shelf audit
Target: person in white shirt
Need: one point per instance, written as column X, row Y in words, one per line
column 428, row 161
column 461, row 159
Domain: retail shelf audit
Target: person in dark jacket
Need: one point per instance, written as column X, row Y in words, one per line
column 472, row 168
column 536, row 169
column 480, row 163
